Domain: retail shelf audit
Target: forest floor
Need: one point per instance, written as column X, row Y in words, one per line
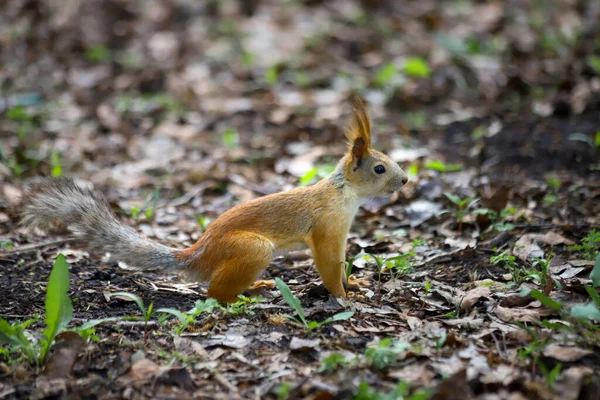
column 479, row 275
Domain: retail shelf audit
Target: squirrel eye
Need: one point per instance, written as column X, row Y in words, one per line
column 379, row 169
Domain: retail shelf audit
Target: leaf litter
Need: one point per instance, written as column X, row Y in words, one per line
column 210, row 104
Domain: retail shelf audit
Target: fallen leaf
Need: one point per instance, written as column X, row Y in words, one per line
column 517, row 314
column 141, row 371
column 526, row 247
column 565, row 353
column 572, row 380
column 179, row 377
column 473, row 297
column 233, row 339
column 304, row 344
column 421, row 210
column 189, row 347
column 68, row 346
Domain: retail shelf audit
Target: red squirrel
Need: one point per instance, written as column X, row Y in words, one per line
column 240, row 244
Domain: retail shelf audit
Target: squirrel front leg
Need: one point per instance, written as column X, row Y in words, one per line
column 329, row 250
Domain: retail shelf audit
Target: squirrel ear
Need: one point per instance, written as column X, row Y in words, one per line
column 359, row 131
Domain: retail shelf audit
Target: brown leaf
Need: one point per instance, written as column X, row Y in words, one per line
column 64, row 355
column 517, row 314
column 527, row 247
column 190, row 347
column 179, row 377
column 572, row 380
column 566, row 353
column 473, row 297
column 141, row 371
column 553, row 239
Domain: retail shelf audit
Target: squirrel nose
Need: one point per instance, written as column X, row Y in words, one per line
column 404, row 180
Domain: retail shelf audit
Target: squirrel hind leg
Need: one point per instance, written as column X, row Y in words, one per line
column 248, row 255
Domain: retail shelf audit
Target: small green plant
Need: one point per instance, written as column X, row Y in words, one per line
column 317, row 172
column 589, row 246
column 581, row 314
column 463, row 206
column 243, row 305
column 272, row 75
column 331, row 363
column 402, row 264
column 550, row 375
column 594, row 63
column 439, row 166
column 147, row 312
column 188, row 318
column 6, row 245
column 247, row 59
column 385, row 353
column 56, row 165
column 385, row 74
column 503, row 225
column 282, row 390
column 14, row 336
column 416, row 67
column 553, row 184
column 147, row 209
column 98, row 53
column 59, row 312
column 302, row 79
column 427, row 286
column 349, row 264
column 498, row 225
column 539, row 273
column 231, row 138
column 294, row 302
column 59, row 309
column 509, row 262
column 400, row 392
column 416, row 119
column 203, row 221
column 380, row 262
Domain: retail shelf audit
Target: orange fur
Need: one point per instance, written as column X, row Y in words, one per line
column 239, row 245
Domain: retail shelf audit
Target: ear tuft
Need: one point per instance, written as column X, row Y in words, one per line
column 358, row 147
column 359, row 131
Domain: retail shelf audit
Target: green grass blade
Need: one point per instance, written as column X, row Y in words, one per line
column 292, row 300
column 177, row 314
column 595, row 275
column 542, row 298
column 59, row 310
column 133, row 297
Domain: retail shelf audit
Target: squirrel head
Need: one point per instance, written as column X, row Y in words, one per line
column 368, row 171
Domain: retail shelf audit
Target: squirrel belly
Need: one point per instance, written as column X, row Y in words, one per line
column 239, row 244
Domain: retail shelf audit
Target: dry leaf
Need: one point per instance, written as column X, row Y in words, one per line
column 473, row 297
column 517, row 314
column 566, row 353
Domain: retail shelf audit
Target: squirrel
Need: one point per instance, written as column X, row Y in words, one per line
column 235, row 248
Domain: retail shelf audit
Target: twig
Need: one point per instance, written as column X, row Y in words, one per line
column 28, row 248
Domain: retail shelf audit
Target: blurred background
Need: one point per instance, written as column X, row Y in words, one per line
column 179, row 109
column 254, row 95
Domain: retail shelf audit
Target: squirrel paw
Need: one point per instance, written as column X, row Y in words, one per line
column 259, row 287
column 266, row 284
column 355, row 283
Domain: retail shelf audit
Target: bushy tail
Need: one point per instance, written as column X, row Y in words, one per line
column 87, row 214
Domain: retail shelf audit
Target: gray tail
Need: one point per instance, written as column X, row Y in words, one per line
column 86, row 213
